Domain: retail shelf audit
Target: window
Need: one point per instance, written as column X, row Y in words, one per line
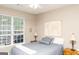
column 11, row 30
column 18, row 29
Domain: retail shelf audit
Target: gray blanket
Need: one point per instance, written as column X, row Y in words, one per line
column 41, row 49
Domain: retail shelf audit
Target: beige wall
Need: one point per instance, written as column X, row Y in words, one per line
column 29, row 23
column 69, row 16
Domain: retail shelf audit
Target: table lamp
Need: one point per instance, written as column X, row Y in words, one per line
column 73, row 40
column 35, row 35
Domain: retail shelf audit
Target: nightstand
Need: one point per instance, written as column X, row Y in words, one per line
column 34, row 41
column 68, row 51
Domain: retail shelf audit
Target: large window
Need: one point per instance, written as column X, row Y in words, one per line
column 11, row 30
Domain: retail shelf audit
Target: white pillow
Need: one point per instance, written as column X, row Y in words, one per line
column 58, row 40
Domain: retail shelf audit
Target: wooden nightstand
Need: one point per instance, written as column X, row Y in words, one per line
column 34, row 41
column 68, row 51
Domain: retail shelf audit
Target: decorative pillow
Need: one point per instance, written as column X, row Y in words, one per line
column 46, row 40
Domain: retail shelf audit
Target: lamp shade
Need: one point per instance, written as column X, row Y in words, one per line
column 35, row 34
column 73, row 37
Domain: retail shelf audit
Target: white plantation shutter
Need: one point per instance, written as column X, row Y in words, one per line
column 18, row 30
column 10, row 27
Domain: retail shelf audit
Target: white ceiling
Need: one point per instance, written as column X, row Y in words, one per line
column 43, row 7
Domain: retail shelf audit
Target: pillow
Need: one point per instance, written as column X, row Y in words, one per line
column 58, row 40
column 46, row 40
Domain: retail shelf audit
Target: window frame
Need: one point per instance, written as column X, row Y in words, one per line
column 12, row 34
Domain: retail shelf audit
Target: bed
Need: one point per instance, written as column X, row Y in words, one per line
column 38, row 48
